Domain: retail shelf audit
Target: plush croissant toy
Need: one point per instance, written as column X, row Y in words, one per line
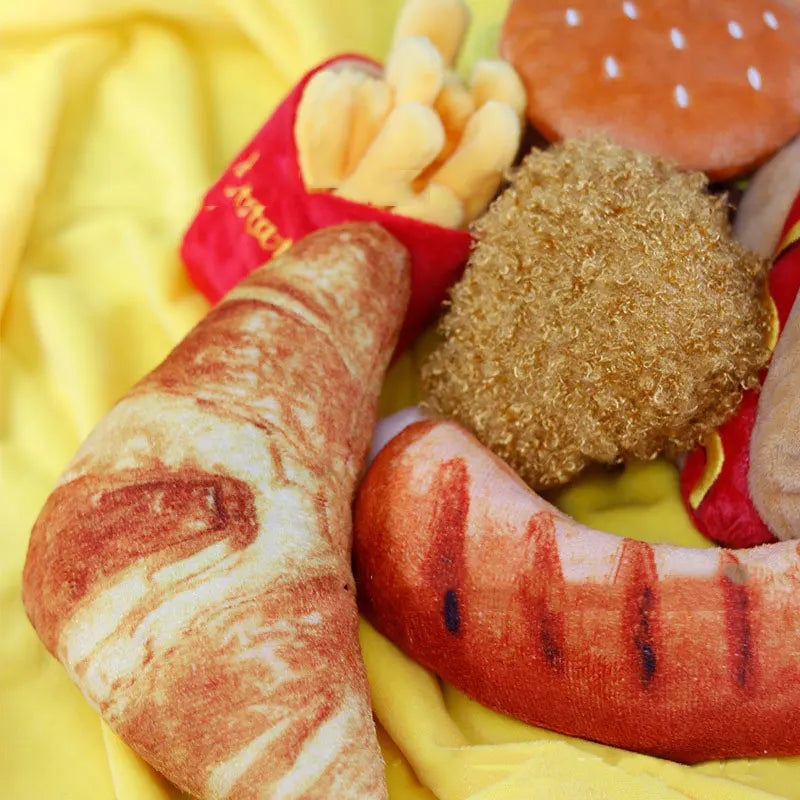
column 191, row 570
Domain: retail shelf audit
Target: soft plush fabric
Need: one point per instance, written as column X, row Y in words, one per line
column 117, row 115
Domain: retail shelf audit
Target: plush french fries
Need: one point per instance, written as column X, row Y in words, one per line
column 323, row 126
column 418, row 140
column 435, row 204
column 415, row 70
column 443, row 22
column 495, row 79
column 483, row 191
column 372, row 102
column 408, row 141
column 487, row 148
column 455, row 105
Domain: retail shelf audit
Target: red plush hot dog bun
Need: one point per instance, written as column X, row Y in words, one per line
column 714, row 483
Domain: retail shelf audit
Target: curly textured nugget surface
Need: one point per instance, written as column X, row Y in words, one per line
column 605, row 313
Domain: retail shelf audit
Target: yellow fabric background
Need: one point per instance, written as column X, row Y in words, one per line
column 115, row 116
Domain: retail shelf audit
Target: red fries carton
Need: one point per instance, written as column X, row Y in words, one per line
column 260, row 206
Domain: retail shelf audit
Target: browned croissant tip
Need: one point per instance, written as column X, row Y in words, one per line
column 371, row 236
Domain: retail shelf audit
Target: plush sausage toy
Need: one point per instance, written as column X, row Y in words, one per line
column 191, row 570
column 689, row 654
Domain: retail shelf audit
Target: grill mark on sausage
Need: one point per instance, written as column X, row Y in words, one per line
column 444, row 562
column 638, row 576
column 736, row 604
column 543, row 590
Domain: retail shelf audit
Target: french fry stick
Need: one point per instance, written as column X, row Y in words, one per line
column 435, row 204
column 455, row 105
column 408, row 141
column 495, row 79
column 444, row 22
column 482, row 195
column 372, row 102
column 487, row 148
column 322, row 126
column 415, row 70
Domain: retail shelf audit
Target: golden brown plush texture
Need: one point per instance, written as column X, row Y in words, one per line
column 605, row 312
column 774, row 471
column 191, row 569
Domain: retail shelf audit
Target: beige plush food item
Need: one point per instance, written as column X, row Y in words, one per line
column 444, row 22
column 408, row 141
column 191, row 569
column 774, row 472
column 415, row 71
column 324, row 124
column 766, row 202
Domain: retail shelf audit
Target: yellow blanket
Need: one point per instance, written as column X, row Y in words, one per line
column 116, row 116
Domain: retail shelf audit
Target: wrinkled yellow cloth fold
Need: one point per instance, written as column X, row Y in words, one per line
column 116, row 116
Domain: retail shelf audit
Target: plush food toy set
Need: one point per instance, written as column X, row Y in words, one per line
column 192, row 568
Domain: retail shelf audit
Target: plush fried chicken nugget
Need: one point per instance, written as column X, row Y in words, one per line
column 605, row 313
